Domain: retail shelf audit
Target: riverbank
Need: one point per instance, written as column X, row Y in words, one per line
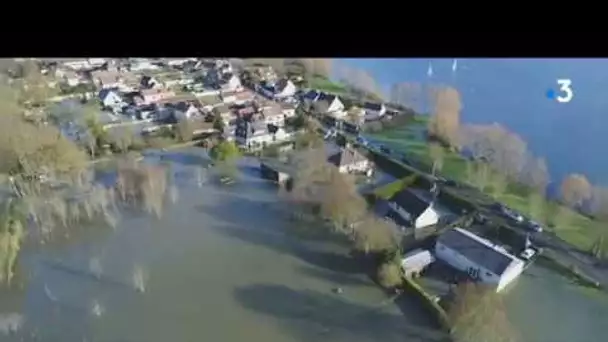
column 574, row 228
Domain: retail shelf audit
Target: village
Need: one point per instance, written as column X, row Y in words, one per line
column 255, row 108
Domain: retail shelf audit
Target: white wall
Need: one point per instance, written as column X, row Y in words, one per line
column 510, row 274
column 428, row 218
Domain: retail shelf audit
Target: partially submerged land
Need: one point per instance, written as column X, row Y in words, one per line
column 233, row 257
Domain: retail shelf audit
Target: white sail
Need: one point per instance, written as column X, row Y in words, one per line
column 429, row 72
column 454, row 65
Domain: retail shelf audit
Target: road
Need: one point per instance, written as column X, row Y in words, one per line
column 566, row 253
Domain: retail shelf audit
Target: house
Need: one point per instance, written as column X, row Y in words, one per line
column 230, row 82
column 185, row 110
column 227, row 96
column 272, row 115
column 416, row 261
column 244, row 97
column 330, row 105
column 417, row 208
column 148, row 96
column 374, row 111
column 282, row 89
column 349, row 160
column 481, row 259
column 106, row 79
column 69, row 77
column 289, row 110
column 148, row 82
column 110, row 98
column 258, row 135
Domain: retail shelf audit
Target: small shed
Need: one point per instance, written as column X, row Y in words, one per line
column 414, row 262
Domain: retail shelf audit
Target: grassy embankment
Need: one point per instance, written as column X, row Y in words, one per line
column 572, row 227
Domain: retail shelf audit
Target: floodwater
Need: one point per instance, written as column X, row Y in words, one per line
column 222, row 264
column 546, row 307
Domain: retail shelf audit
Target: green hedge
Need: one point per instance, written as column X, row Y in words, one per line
column 387, row 191
column 427, row 300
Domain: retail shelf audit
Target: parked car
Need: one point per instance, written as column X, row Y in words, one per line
column 527, row 254
column 535, row 226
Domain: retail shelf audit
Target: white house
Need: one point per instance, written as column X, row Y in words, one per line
column 416, row 208
column 258, row 135
column 330, row 105
column 111, row 98
column 374, row 111
column 185, row 110
column 231, row 82
column 349, row 160
column 284, row 88
column 481, row 259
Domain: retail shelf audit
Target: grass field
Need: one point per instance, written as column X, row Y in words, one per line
column 324, row 84
column 569, row 225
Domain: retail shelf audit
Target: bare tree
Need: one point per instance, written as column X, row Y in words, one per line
column 341, row 202
column 185, row 130
column 494, row 144
column 437, row 155
column 142, row 185
column 599, row 202
column 374, row 235
column 575, row 189
column 358, row 79
column 535, row 174
column 478, row 314
column 445, row 120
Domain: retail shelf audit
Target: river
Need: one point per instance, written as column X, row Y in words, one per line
column 220, row 265
column 512, row 92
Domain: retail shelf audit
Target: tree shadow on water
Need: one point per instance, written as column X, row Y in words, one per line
column 310, row 315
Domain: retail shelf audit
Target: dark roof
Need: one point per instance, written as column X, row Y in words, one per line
column 411, row 202
column 373, row 106
column 476, row 251
column 104, row 92
column 346, row 156
column 326, row 97
column 281, row 84
column 311, row 95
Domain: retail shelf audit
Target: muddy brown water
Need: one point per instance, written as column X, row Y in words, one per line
column 222, row 264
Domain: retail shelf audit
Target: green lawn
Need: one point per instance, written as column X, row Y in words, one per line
column 324, row 84
column 571, row 226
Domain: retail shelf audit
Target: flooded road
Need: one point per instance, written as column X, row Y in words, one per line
column 222, row 264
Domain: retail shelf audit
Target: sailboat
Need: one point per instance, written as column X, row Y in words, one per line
column 454, row 65
column 429, row 72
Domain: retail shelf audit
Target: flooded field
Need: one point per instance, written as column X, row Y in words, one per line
column 222, row 264
column 546, row 307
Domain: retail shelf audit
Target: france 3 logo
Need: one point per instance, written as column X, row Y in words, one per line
column 564, row 94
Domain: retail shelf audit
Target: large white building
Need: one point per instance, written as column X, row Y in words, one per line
column 479, row 258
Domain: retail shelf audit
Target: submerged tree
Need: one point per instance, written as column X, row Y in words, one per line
column 48, row 178
column 374, row 235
